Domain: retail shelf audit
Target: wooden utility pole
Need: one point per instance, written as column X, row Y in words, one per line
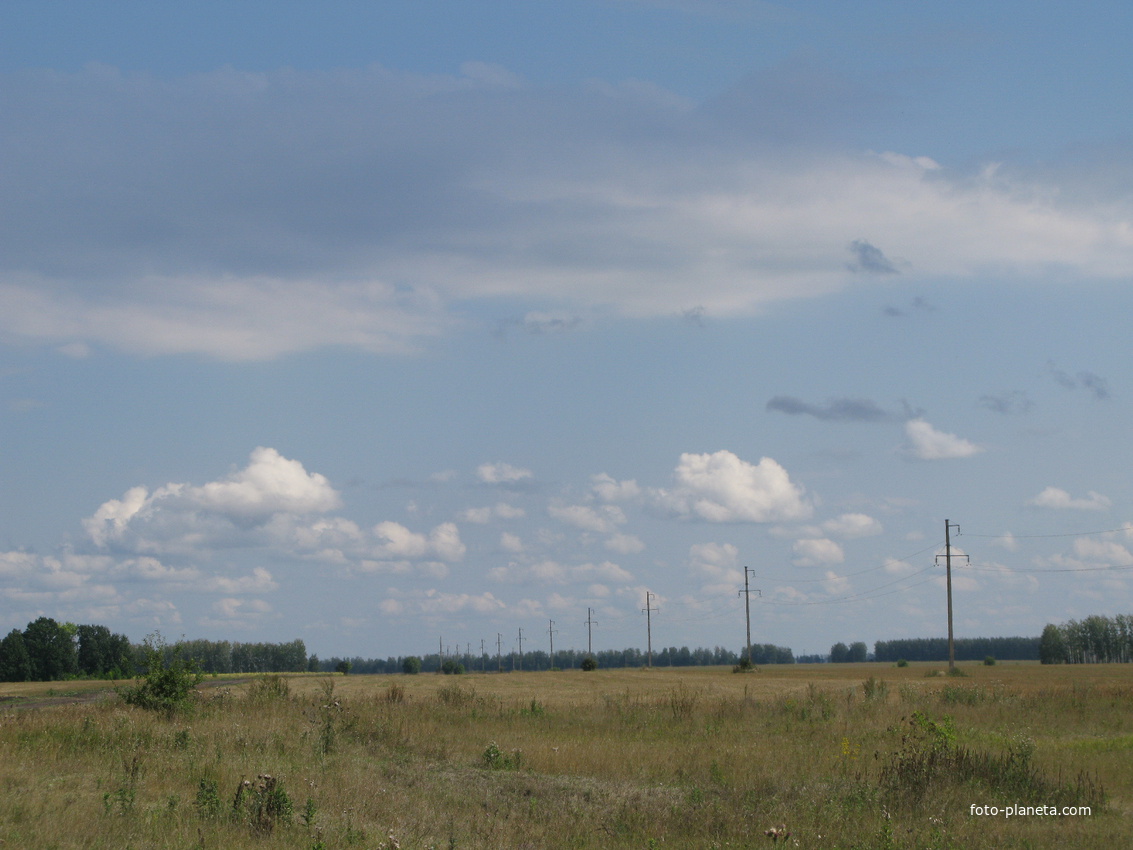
column 499, row 651
column 649, row 627
column 747, row 607
column 521, row 650
column 589, row 642
column 551, row 632
column 948, row 526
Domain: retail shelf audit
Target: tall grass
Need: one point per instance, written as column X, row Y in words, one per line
column 864, row 757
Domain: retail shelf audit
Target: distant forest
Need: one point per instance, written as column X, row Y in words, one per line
column 48, row 650
column 564, row 659
column 1094, row 640
column 967, row 649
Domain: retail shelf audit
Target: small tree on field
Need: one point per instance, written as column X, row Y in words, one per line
column 166, row 684
column 411, row 665
column 589, row 663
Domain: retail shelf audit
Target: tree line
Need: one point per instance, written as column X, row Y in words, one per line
column 1094, row 640
column 967, row 649
column 49, row 651
column 564, row 659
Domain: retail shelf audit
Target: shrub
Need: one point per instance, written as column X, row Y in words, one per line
column 496, row 759
column 589, row 663
column 989, row 661
column 411, row 665
column 167, row 684
column 901, row 662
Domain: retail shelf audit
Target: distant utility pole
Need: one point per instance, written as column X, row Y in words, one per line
column 589, row 642
column 747, row 607
column 551, row 632
column 499, row 651
column 649, row 627
column 948, row 526
column 483, row 658
column 521, row 650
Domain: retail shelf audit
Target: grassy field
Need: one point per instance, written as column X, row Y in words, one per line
column 839, row 756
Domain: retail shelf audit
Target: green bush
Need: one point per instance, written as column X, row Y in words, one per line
column 589, row 663
column 168, row 680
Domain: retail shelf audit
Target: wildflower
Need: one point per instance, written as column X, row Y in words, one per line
column 777, row 832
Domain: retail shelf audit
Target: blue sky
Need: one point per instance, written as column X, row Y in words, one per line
column 374, row 324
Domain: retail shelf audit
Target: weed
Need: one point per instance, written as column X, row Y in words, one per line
column 536, row 709
column 262, row 804
column 683, row 701
column 268, row 689
column 395, row 693
column 875, row 690
column 308, row 814
column 454, row 696
column 123, row 797
column 208, row 798
column 495, row 759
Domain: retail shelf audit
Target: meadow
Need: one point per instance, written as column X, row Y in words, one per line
column 813, row 756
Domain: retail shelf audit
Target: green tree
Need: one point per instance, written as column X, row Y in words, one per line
column 101, row 652
column 857, row 652
column 411, row 665
column 839, row 653
column 1052, row 645
column 51, row 647
column 15, row 663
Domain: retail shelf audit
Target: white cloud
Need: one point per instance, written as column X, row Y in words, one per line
column 625, row 544
column 443, row 542
column 851, row 526
column 484, row 515
column 926, row 443
column 501, row 473
column 720, row 487
column 604, row 519
column 550, row 571
column 1053, row 497
column 814, row 552
column 511, row 542
column 610, row 490
column 540, row 203
column 270, row 484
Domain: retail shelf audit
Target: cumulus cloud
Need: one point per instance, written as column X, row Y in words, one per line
column 501, row 473
column 817, row 551
column 625, row 544
column 549, row 571
column 270, row 484
column 490, row 188
column 852, row 526
column 721, row 487
column 399, row 542
column 926, row 443
column 603, row 519
column 1053, row 497
column 610, row 490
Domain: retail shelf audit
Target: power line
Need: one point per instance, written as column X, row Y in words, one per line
column 1039, row 536
column 1025, row 570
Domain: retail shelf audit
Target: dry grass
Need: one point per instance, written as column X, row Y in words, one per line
column 853, row 756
